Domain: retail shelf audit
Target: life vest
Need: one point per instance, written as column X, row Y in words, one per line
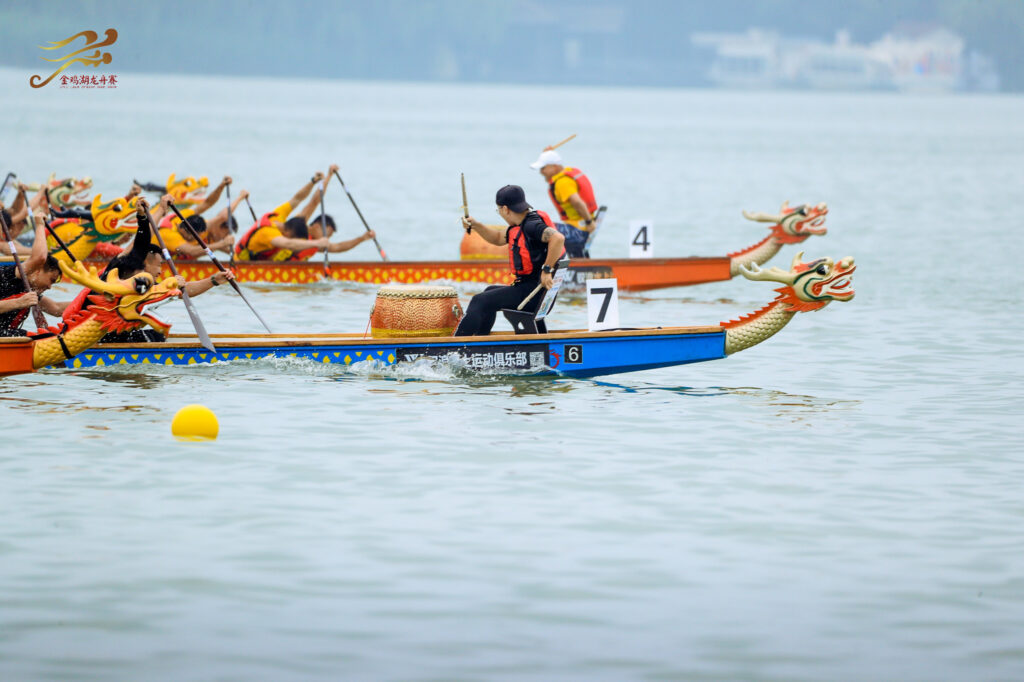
column 242, row 246
column 584, row 189
column 305, row 254
column 520, row 259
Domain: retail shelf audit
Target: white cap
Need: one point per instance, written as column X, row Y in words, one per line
column 546, row 158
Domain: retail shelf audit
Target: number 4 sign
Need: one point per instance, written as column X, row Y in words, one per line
column 641, row 238
column 602, row 304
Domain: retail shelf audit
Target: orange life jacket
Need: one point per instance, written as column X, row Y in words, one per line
column 242, row 246
column 584, row 189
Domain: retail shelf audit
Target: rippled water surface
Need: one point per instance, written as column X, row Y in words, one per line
column 840, row 502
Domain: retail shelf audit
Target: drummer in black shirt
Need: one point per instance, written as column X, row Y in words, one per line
column 534, row 248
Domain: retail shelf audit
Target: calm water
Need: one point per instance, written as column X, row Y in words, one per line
column 840, row 502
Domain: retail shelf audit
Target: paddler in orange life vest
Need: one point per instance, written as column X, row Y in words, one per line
column 280, row 238
column 573, row 195
column 216, row 232
column 534, row 246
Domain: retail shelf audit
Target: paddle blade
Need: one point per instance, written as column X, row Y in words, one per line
column 204, row 338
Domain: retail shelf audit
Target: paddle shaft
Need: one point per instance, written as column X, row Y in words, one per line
column 360, row 213
column 231, row 255
column 252, row 212
column 465, row 202
column 556, row 146
column 233, row 283
column 204, row 338
column 60, row 242
column 323, row 228
column 37, row 314
column 3, row 189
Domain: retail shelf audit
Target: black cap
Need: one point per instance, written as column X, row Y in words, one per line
column 514, row 197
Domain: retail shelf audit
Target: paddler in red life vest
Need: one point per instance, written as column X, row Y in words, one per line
column 280, row 238
column 534, row 247
column 573, row 195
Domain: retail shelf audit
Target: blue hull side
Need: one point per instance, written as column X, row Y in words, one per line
column 583, row 357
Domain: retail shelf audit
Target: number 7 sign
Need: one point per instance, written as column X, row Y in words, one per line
column 641, row 239
column 602, row 304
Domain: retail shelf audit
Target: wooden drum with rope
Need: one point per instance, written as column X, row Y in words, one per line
column 405, row 310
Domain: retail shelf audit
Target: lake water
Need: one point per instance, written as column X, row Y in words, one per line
column 841, row 502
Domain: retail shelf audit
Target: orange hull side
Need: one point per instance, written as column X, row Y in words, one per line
column 633, row 274
column 15, row 356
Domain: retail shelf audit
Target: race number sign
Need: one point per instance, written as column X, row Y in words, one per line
column 602, row 304
column 641, row 238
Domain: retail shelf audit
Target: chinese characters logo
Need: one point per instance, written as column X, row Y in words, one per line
column 95, row 59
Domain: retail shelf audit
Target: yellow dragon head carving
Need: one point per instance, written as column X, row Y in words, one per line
column 120, row 304
column 113, row 218
column 811, row 285
column 793, row 225
column 187, row 191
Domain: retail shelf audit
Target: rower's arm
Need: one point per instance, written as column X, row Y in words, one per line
column 39, row 252
column 307, row 212
column 304, row 191
column 581, row 207
column 338, row 247
column 213, row 197
column 298, row 244
column 556, row 244
column 52, row 307
column 191, row 250
column 491, row 233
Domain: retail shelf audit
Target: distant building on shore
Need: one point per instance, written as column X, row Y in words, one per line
column 909, row 59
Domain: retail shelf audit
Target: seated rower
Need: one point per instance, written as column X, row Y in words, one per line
column 42, row 271
column 216, row 232
column 279, row 238
column 534, row 248
column 147, row 257
column 573, row 195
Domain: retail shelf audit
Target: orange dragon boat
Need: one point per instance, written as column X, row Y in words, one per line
column 791, row 225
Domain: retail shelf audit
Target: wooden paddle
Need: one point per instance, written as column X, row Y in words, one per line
column 204, row 338
column 323, row 228
column 3, row 189
column 37, row 314
column 465, row 202
column 60, row 242
column 209, row 253
column 379, row 249
column 251, row 212
column 556, row 146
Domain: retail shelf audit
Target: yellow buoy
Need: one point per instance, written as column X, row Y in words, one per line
column 195, row 422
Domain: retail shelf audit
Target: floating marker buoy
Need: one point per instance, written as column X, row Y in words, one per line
column 195, row 422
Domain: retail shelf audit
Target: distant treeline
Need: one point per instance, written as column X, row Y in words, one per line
column 594, row 42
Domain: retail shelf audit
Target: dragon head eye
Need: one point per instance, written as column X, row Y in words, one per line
column 143, row 284
column 822, row 269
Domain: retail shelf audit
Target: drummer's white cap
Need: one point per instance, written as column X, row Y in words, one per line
column 547, row 158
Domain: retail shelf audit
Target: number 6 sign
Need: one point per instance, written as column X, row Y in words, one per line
column 602, row 304
column 641, row 239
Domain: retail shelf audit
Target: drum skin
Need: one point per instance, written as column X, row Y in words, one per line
column 406, row 310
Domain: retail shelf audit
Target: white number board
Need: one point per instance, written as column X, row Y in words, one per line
column 641, row 239
column 602, row 304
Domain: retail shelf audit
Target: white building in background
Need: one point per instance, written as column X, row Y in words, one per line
column 910, row 59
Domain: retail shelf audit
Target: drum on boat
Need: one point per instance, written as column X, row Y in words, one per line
column 414, row 310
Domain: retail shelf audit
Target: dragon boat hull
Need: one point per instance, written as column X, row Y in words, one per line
column 632, row 274
column 571, row 353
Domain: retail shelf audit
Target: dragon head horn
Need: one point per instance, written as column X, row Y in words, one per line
column 760, row 217
column 113, row 284
column 797, row 260
column 754, row 272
